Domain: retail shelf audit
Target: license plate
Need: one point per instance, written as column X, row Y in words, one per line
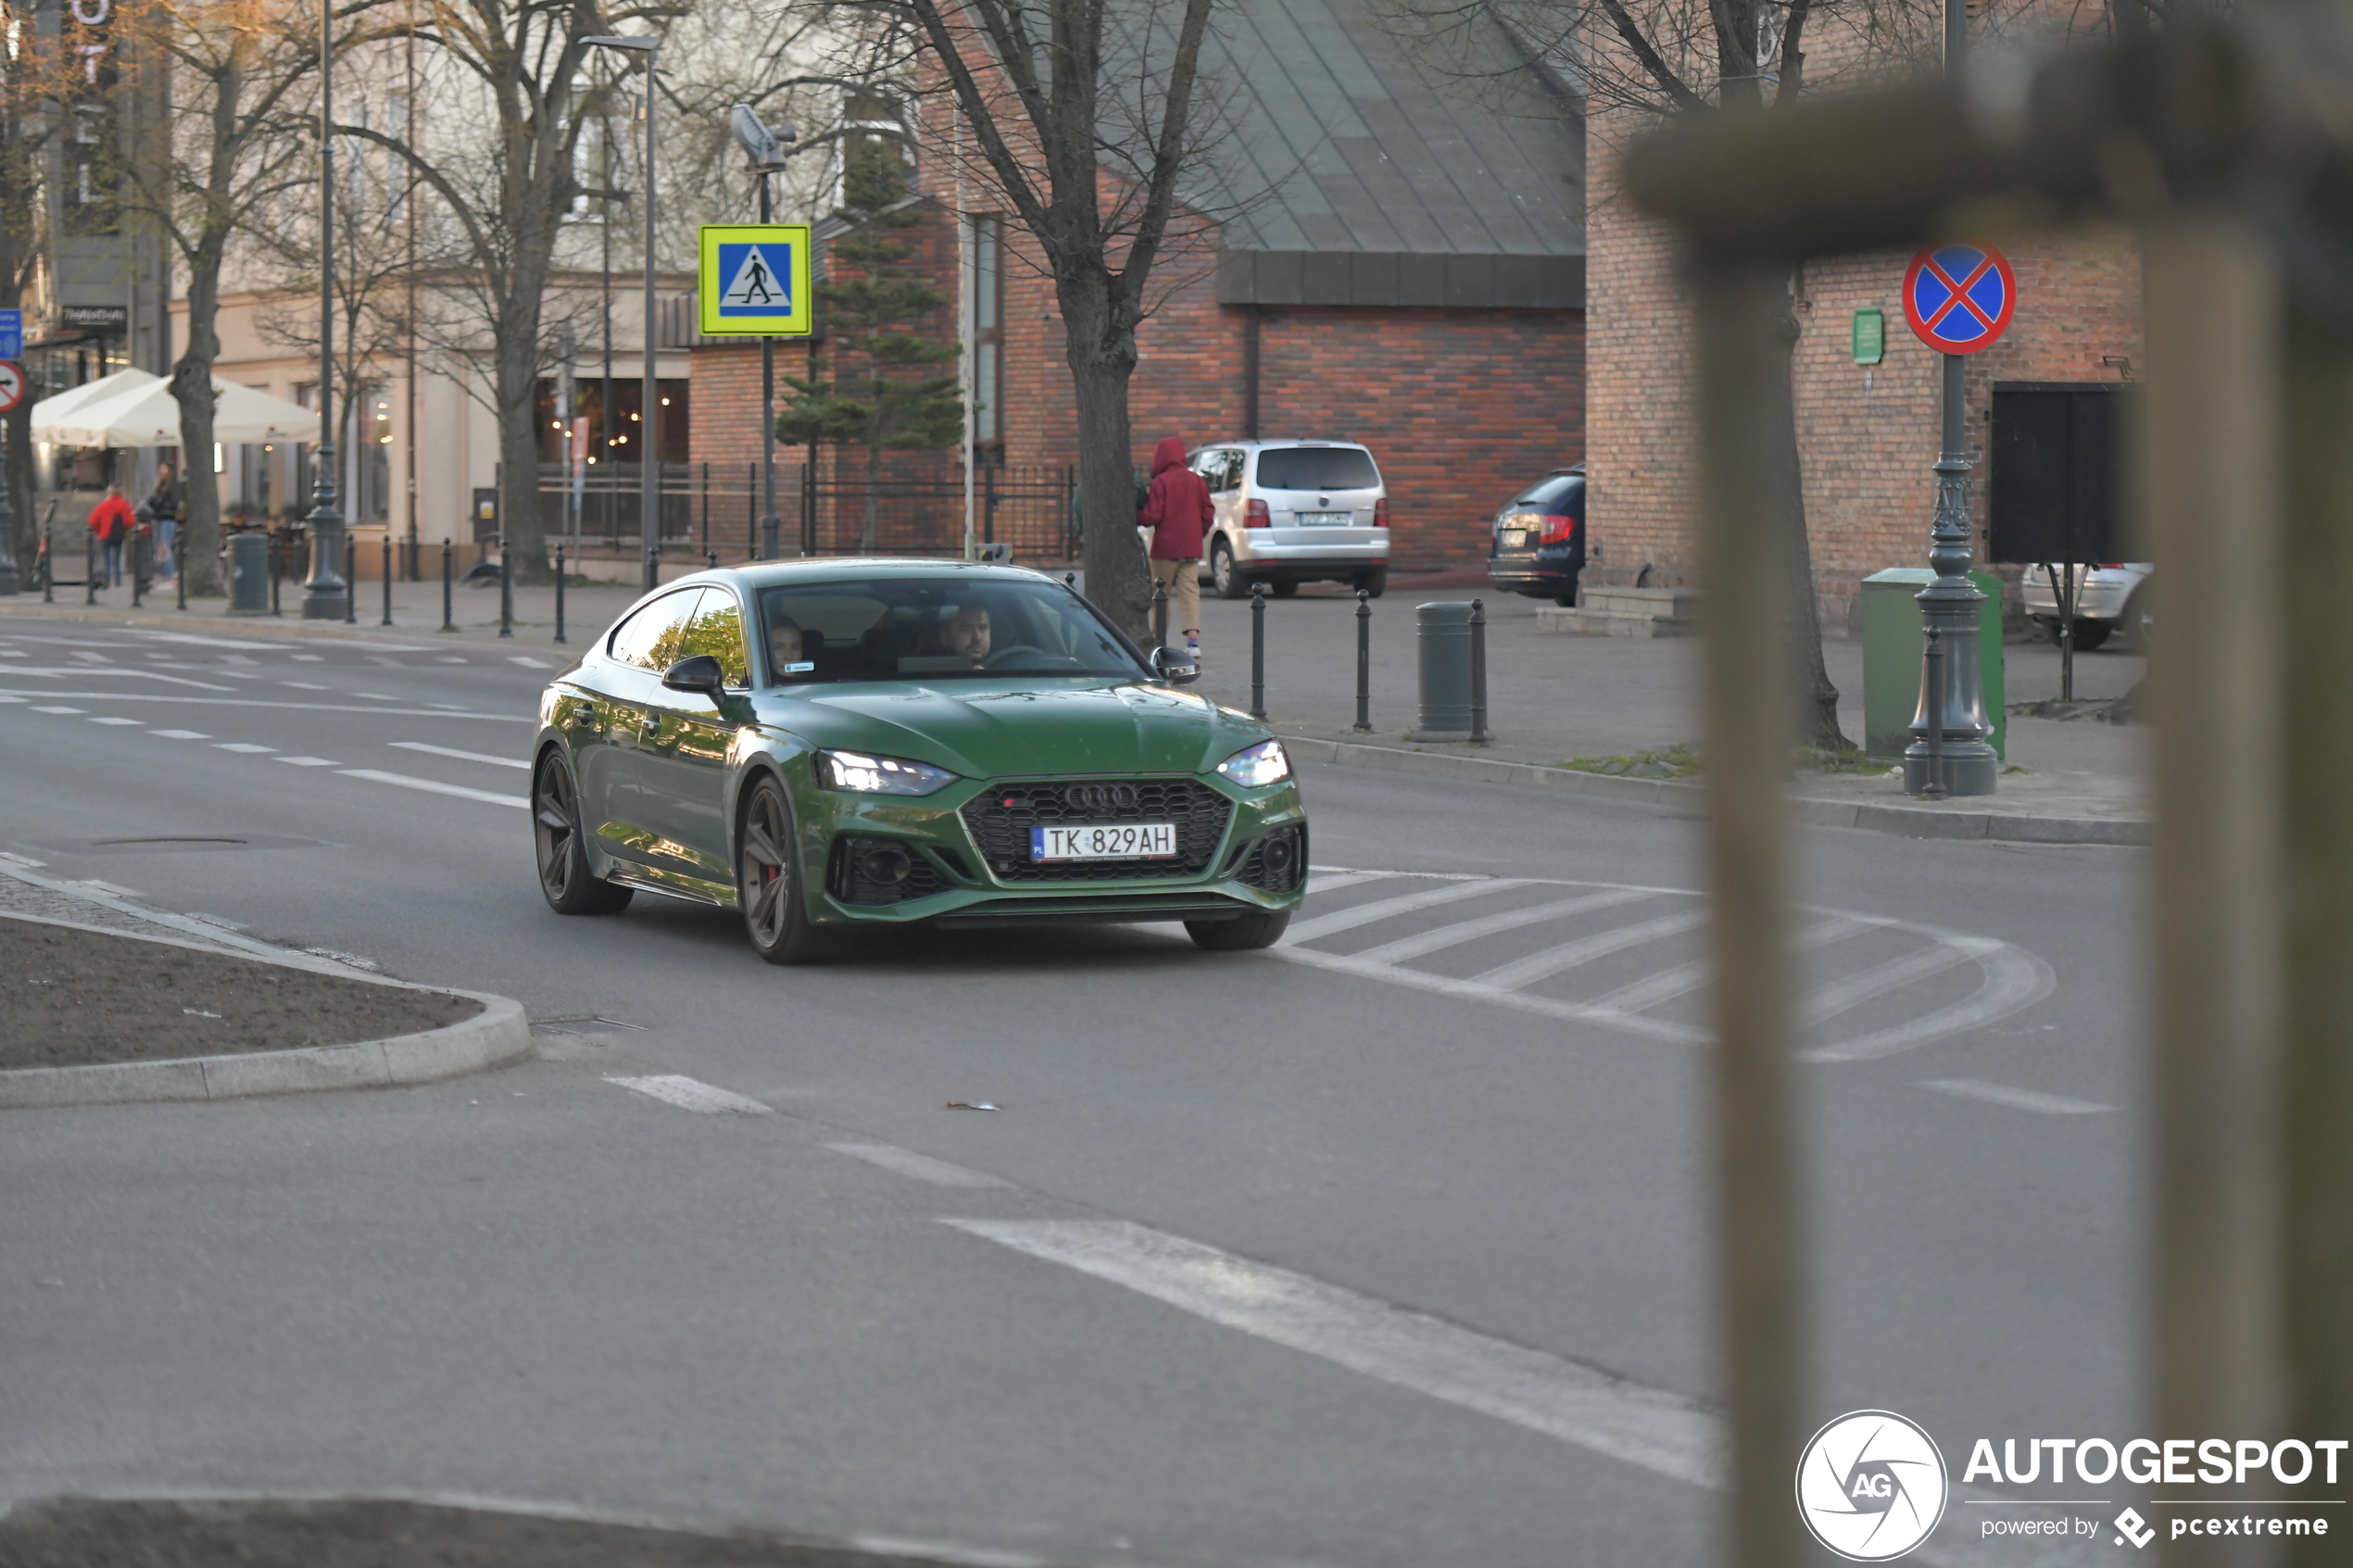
column 1105, row 841
column 1513, row 538
column 1325, row 519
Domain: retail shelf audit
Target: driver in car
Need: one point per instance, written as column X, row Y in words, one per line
column 965, row 633
column 785, row 654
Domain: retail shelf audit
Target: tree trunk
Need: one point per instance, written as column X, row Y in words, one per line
column 192, row 389
column 27, row 542
column 1816, row 698
column 1118, row 577
column 516, row 353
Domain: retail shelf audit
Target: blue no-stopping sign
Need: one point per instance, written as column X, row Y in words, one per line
column 1959, row 297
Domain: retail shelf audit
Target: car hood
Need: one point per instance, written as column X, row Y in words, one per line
column 983, row 730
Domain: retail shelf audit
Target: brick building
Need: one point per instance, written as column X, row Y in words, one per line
column 1866, row 436
column 1371, row 253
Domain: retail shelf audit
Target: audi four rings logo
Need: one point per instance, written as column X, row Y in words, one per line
column 1872, row 1485
column 1102, row 798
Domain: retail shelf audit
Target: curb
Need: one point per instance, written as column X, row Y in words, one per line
column 1907, row 822
column 498, row 1034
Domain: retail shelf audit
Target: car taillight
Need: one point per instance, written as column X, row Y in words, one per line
column 1558, row 529
column 1381, row 512
column 1256, row 516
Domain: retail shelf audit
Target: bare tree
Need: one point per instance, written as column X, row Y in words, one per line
column 236, row 139
column 25, row 136
column 508, row 183
column 1083, row 116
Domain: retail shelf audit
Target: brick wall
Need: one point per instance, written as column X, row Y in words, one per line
column 1865, row 439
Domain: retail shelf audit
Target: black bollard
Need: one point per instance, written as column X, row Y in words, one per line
column 90, row 573
column 711, row 559
column 1160, row 613
column 138, row 570
column 506, row 590
column 1479, row 672
column 448, row 622
column 1363, row 660
column 180, row 561
column 1258, row 650
column 351, row 580
column 559, row 592
column 1934, row 788
column 653, row 570
column 277, row 561
column 387, row 620
column 48, row 570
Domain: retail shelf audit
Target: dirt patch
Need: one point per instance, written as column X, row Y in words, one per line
column 71, row 997
column 79, row 1533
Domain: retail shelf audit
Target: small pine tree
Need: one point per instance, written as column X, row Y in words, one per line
column 878, row 397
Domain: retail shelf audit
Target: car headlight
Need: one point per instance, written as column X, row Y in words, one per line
column 879, row 775
column 1262, row 764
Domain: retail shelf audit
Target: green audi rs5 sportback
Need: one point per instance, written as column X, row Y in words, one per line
column 834, row 745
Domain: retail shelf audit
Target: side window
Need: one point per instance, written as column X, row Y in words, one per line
column 1225, row 471
column 649, row 639
column 717, row 628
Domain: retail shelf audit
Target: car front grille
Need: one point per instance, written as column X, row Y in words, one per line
column 1002, row 816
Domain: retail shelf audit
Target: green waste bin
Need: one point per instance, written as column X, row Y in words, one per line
column 1894, row 646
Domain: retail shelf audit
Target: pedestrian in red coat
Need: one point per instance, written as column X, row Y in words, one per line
column 112, row 520
column 1178, row 511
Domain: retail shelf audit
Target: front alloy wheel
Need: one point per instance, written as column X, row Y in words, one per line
column 1222, row 575
column 565, row 877
column 768, row 881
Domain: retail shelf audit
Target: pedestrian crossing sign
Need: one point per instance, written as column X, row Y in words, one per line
column 754, row 280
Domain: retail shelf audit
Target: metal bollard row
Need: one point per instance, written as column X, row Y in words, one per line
column 448, row 621
column 559, row 592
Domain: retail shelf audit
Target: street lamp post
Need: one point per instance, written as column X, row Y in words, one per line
column 766, row 150
column 650, row 400
column 325, row 596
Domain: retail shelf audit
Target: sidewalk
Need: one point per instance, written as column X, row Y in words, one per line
column 1552, row 699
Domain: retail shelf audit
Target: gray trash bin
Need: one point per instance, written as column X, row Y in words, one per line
column 248, row 574
column 1442, row 634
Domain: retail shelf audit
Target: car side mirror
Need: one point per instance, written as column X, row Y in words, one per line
column 1173, row 669
column 699, row 673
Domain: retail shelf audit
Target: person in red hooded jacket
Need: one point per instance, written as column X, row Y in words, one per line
column 1179, row 513
column 112, row 520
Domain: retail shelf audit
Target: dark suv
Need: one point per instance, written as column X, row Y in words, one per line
column 1537, row 546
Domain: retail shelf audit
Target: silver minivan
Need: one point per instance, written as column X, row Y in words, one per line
column 1291, row 512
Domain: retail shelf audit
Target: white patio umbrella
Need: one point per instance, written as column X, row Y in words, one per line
column 144, row 414
column 52, row 411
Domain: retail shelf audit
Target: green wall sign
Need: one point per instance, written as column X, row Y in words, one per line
column 1869, row 336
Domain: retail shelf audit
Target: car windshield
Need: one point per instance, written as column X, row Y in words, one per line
column 1550, row 492
column 933, row 629
column 1316, row 468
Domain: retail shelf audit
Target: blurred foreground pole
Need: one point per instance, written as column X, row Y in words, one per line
column 1747, row 739
column 2213, row 297
column 2317, row 880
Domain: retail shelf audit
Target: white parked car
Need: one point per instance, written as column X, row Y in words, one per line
column 1291, row 512
column 2113, row 600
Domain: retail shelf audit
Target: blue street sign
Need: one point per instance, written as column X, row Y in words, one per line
column 1959, row 297
column 11, row 335
column 754, row 279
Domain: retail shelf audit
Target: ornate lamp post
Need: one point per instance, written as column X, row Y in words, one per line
column 650, row 400
column 325, row 596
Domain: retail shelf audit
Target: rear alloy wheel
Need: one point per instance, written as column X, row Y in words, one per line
column 1222, row 575
column 571, row 887
column 1239, row 936
column 768, row 881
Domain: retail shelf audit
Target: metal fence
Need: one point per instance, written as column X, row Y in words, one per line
column 713, row 508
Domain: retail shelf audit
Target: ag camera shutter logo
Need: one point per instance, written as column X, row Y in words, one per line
column 1872, row 1485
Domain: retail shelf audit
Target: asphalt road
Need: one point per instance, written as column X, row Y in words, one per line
column 1388, row 1247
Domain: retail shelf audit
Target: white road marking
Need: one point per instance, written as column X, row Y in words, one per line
column 944, row 1552
column 528, row 662
column 306, row 685
column 462, row 756
column 2016, row 1100
column 86, row 672
column 1381, row 908
column 1683, row 979
column 115, row 888
column 387, row 663
column 310, row 658
column 109, row 719
column 54, row 709
column 435, row 787
column 1511, row 920
column 691, row 1094
column 439, row 711
column 1423, row 979
column 1332, row 882
column 244, row 747
column 451, row 659
column 1585, row 949
column 241, row 659
column 1854, row 990
column 376, row 696
column 20, row 859
column 93, row 658
column 1659, row 1431
column 181, row 735
column 310, row 761
column 922, row 1167
column 11, row 699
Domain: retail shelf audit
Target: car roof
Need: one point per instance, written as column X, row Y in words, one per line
column 1284, row 441
column 850, row 569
